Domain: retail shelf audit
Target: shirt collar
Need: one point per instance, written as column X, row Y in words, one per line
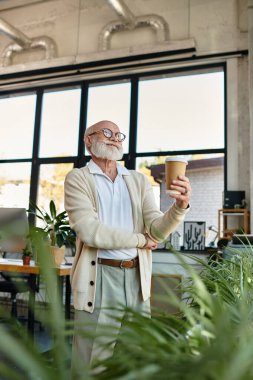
column 95, row 169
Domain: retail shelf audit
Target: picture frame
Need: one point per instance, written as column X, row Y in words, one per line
column 194, row 236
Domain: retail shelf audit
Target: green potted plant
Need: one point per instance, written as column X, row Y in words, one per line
column 27, row 254
column 56, row 230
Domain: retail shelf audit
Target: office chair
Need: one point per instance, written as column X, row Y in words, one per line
column 14, row 283
column 13, row 230
column 8, row 285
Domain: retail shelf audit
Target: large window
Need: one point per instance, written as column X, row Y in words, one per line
column 163, row 113
column 110, row 102
column 51, row 181
column 183, row 112
column 60, row 123
column 15, row 184
column 17, row 116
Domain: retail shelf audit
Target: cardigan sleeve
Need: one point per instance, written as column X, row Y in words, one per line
column 158, row 224
column 84, row 219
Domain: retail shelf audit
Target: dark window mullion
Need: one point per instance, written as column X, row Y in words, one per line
column 56, row 160
column 180, row 152
column 131, row 159
column 82, row 124
column 15, row 160
column 35, row 154
column 225, row 128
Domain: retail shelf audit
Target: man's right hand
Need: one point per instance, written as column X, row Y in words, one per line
column 150, row 244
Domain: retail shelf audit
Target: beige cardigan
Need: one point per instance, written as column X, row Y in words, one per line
column 81, row 203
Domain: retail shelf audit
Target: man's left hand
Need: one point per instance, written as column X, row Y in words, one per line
column 182, row 184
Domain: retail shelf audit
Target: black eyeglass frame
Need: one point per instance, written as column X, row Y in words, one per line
column 108, row 134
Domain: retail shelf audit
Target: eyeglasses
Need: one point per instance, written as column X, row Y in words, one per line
column 108, row 134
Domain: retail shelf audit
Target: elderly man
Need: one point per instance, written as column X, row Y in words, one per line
column 117, row 223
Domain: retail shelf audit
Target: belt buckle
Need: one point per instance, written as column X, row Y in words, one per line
column 121, row 264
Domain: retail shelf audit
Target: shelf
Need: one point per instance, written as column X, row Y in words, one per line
column 235, row 213
column 223, row 214
column 233, row 210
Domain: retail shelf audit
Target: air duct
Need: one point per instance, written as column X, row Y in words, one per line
column 123, row 12
column 23, row 43
column 45, row 43
column 20, row 38
column 157, row 23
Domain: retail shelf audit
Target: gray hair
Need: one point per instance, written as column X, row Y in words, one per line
column 89, row 130
column 93, row 128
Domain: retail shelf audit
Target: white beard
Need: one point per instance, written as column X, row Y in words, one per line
column 100, row 150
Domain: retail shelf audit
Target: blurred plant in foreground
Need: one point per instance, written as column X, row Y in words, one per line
column 210, row 338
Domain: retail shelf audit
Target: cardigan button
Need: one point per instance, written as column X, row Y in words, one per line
column 93, row 262
column 92, row 282
column 90, row 304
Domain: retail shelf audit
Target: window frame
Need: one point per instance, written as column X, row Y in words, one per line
column 130, row 158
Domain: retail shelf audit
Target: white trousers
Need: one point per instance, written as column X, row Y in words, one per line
column 116, row 288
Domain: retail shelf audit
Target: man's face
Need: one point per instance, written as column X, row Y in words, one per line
column 103, row 143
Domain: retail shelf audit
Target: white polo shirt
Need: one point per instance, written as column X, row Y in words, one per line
column 115, row 208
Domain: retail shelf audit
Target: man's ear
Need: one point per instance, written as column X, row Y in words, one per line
column 87, row 142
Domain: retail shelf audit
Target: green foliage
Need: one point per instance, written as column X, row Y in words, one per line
column 27, row 251
column 56, row 225
column 210, row 338
column 20, row 355
column 169, row 246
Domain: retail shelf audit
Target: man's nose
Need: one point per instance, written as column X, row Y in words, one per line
column 113, row 137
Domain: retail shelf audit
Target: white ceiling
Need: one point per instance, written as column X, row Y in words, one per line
column 13, row 4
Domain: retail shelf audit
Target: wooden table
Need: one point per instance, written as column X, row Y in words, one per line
column 16, row 266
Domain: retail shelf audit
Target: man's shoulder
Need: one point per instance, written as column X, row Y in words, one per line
column 78, row 172
column 137, row 176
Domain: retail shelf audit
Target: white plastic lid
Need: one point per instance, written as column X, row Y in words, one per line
column 177, row 158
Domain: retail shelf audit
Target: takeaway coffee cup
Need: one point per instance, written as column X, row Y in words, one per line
column 174, row 166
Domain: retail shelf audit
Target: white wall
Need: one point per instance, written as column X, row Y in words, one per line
column 207, row 191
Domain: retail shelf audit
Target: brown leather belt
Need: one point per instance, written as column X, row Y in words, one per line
column 120, row 263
